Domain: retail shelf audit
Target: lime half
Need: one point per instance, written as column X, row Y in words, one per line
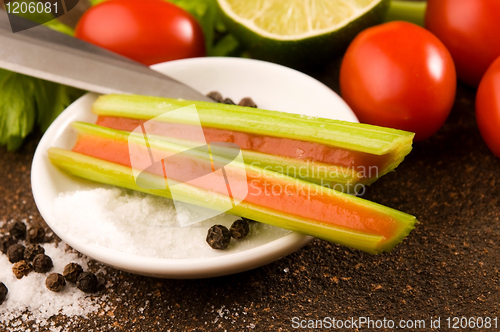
column 299, row 32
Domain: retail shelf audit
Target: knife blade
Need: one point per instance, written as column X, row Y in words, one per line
column 53, row 56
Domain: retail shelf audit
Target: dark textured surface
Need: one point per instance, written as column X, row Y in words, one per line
column 448, row 266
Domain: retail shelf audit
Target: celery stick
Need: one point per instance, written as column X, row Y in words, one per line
column 109, row 173
column 339, row 178
column 353, row 136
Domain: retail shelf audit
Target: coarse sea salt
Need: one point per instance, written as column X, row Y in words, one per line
column 144, row 225
column 29, row 300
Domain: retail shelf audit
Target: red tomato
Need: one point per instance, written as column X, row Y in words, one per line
column 488, row 107
column 470, row 29
column 399, row 75
column 148, row 31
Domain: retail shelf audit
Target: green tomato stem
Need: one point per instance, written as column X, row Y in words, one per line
column 410, row 11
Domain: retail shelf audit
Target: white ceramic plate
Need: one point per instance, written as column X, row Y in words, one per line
column 271, row 86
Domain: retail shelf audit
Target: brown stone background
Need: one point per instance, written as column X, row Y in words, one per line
column 448, row 266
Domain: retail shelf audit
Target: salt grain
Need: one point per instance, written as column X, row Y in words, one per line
column 29, row 300
column 144, row 225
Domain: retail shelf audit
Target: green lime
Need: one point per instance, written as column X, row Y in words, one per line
column 299, row 33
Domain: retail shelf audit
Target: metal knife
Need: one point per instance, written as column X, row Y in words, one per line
column 53, row 56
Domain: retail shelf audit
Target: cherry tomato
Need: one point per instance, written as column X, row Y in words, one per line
column 399, row 75
column 488, row 107
column 148, row 31
column 470, row 29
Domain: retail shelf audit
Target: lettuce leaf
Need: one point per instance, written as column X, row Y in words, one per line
column 17, row 108
column 26, row 101
column 51, row 99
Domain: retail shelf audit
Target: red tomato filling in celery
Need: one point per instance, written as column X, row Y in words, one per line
column 284, row 147
column 285, row 195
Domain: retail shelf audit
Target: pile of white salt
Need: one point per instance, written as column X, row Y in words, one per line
column 144, row 225
column 29, row 301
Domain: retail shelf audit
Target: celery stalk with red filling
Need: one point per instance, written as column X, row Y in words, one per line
column 327, row 152
column 102, row 155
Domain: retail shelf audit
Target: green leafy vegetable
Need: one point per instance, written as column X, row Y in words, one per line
column 17, row 113
column 51, row 99
column 25, row 101
column 226, row 46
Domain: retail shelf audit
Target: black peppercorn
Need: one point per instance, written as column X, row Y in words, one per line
column 36, row 234
column 72, row 271
column 21, row 269
column 250, row 221
column 216, row 96
column 31, row 251
column 3, row 292
column 55, row 282
column 42, row 263
column 248, row 102
column 18, row 230
column 87, row 282
column 15, row 253
column 6, row 242
column 228, row 101
column 239, row 229
column 218, row 237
